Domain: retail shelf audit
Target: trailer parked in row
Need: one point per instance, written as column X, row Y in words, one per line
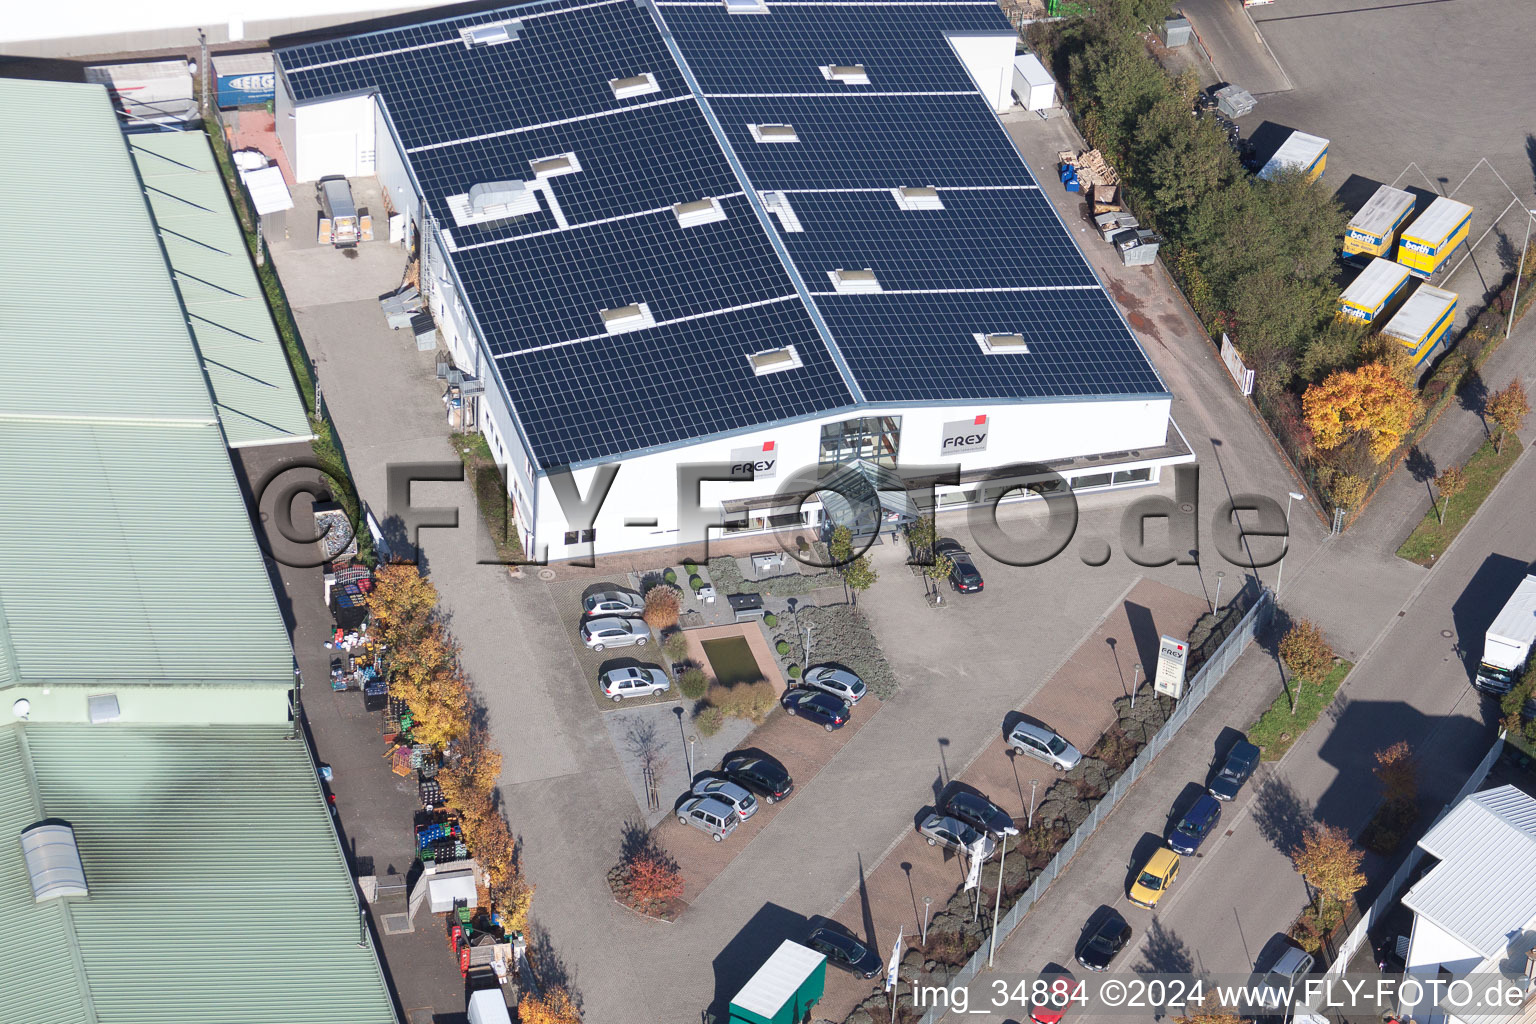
column 1423, row 321
column 1433, row 235
column 1300, row 152
column 1375, row 293
column 1507, row 645
column 1374, row 230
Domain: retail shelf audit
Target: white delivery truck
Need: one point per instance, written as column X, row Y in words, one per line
column 1507, row 647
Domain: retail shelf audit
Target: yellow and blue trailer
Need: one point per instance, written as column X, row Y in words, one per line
column 1422, row 322
column 1374, row 230
column 1432, row 236
column 1375, row 293
column 1299, row 152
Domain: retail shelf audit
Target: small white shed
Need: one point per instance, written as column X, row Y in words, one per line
column 1033, row 86
column 445, row 888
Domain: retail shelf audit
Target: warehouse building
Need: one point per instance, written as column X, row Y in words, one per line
column 166, row 852
column 778, row 236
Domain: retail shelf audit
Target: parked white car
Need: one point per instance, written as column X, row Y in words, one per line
column 839, row 682
column 613, row 602
column 634, row 681
column 744, row 803
column 715, row 817
column 612, row 631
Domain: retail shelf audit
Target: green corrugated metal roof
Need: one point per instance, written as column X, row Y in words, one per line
column 88, row 302
column 126, row 554
column 42, row 978
column 218, row 891
column 236, row 339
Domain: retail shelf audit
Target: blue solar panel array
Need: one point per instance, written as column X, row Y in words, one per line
column 1077, row 345
column 901, row 48
column 552, row 288
column 654, row 387
column 638, row 160
column 998, row 238
column 859, row 141
column 469, row 116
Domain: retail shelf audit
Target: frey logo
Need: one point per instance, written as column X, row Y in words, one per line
column 759, row 463
column 965, row 436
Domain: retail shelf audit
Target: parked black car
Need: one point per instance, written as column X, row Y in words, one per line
column 821, row 708
column 759, row 773
column 846, row 952
column 1241, row 762
column 1104, row 943
column 1198, row 822
column 979, row 812
column 963, row 575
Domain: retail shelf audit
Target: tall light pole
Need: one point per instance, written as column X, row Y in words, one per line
column 1135, row 684
column 1280, row 573
column 997, row 904
column 691, row 741
column 807, row 644
column 1219, row 577
column 927, row 906
column 1034, row 784
column 1515, row 299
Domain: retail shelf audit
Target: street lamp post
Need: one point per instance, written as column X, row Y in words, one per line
column 1515, row 299
column 808, row 630
column 1219, row 577
column 1280, row 573
column 997, row 904
column 1135, row 684
column 1034, row 784
column 691, row 741
column 927, row 906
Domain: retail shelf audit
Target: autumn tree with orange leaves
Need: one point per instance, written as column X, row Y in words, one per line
column 552, row 1006
column 1372, row 400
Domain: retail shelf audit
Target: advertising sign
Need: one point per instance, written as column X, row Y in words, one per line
column 1172, row 655
column 964, row 436
column 760, row 462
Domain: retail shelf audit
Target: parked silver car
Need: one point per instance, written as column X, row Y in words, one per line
column 634, row 681
column 613, row 602
column 839, row 682
column 954, row 834
column 709, row 814
column 1039, row 742
column 744, row 802
column 612, row 631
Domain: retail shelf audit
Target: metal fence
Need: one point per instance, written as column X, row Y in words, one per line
column 1203, row 682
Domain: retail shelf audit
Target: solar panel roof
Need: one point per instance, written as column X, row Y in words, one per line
column 995, row 258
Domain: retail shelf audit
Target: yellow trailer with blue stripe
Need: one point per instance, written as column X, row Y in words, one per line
column 1423, row 321
column 1374, row 230
column 1372, row 295
column 1433, row 234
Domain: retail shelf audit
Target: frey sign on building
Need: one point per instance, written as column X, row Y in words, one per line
column 964, row 437
column 757, row 462
column 1171, row 657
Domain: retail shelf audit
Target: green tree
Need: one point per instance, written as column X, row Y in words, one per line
column 841, row 545
column 1330, row 864
column 1508, row 409
column 859, row 576
column 1449, row 483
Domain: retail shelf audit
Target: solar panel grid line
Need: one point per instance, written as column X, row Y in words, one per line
column 862, row 94
column 884, row 190
column 584, row 224
column 520, row 129
column 660, row 323
column 975, row 291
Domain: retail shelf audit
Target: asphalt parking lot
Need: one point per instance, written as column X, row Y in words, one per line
column 1427, row 96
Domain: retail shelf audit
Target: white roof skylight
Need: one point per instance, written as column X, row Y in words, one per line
column 854, row 280
column 997, row 344
column 700, row 211
column 627, row 318
column 918, row 198
column 774, row 360
column 774, row 132
column 552, row 166
column 848, row 74
column 635, row 85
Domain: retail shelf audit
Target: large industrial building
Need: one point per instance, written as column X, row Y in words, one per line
column 166, row 851
column 784, row 235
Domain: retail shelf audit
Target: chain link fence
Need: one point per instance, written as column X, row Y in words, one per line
column 1203, row 682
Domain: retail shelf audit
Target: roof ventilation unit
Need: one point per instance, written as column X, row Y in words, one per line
column 700, row 211
column 854, row 280
column 554, row 166
column 102, row 707
column 635, row 85
column 746, row 7
column 924, row 198
column 1002, row 344
column 777, row 203
column 848, row 74
column 628, row 318
column 774, row 132
column 53, row 861
column 492, row 201
column 489, row 35
column 774, row 359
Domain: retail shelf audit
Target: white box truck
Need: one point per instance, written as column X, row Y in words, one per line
column 1033, row 86
column 1507, row 647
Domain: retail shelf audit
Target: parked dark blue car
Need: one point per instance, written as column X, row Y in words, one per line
column 1198, row 822
column 822, row 708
